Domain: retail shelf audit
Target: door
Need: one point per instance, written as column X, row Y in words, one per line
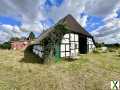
column 57, row 53
column 83, row 44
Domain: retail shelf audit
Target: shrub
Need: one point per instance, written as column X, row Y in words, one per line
column 111, row 50
column 98, row 45
column 119, row 53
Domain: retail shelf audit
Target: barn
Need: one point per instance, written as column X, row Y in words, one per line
column 67, row 39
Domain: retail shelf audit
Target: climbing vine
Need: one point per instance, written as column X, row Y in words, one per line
column 53, row 40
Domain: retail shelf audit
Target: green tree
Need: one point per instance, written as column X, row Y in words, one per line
column 6, row 45
column 31, row 36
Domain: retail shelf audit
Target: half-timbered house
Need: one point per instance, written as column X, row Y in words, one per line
column 67, row 39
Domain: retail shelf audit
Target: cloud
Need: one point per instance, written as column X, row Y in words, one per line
column 82, row 20
column 100, row 7
column 32, row 12
column 4, row 37
column 109, row 33
column 26, row 10
column 67, row 7
column 36, row 27
column 8, row 31
column 14, row 29
column 91, row 7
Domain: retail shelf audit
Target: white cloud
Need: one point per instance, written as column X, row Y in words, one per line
column 14, row 29
column 82, row 20
column 4, row 37
column 75, row 7
column 11, row 31
column 68, row 7
column 101, row 7
column 27, row 10
column 36, row 27
column 109, row 33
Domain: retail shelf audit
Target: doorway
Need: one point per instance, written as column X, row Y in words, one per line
column 82, row 44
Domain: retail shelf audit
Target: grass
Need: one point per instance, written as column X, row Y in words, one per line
column 91, row 72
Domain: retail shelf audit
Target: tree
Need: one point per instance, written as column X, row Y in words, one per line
column 5, row 45
column 31, row 36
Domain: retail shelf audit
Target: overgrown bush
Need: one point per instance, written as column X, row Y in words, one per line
column 98, row 45
column 119, row 53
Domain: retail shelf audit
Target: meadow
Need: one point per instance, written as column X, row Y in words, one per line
column 92, row 71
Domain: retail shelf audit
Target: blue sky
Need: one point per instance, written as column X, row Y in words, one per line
column 94, row 22
column 9, row 21
column 19, row 17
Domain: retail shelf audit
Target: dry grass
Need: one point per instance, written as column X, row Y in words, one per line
column 90, row 72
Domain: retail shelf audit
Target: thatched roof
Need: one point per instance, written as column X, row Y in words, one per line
column 71, row 24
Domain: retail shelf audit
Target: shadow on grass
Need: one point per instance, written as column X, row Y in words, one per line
column 29, row 57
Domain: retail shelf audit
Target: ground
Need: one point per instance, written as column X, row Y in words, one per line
column 91, row 72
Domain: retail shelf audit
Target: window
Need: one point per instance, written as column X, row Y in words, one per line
column 72, row 37
column 67, row 54
column 76, row 37
column 65, row 40
column 72, row 46
column 62, row 54
column 66, row 36
column 69, row 45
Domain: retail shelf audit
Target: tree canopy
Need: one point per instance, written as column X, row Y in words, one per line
column 31, row 36
column 5, row 45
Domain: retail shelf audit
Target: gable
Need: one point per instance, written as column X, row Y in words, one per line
column 73, row 25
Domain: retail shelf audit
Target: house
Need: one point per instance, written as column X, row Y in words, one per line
column 18, row 45
column 22, row 43
column 67, row 39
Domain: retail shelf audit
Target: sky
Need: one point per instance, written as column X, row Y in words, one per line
column 99, row 17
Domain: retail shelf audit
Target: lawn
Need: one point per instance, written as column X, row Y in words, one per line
column 91, row 72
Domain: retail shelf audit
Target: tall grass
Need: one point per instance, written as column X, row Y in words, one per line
column 90, row 72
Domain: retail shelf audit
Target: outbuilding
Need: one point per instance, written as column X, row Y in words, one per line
column 67, row 39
